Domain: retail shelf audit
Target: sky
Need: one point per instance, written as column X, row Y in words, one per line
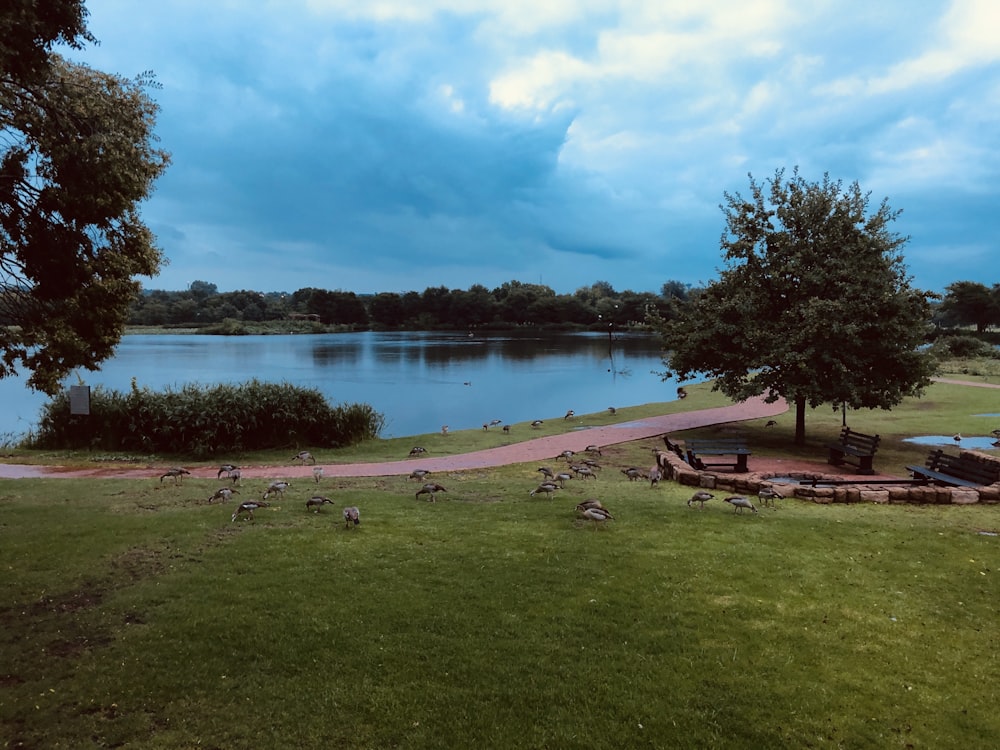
column 396, row 145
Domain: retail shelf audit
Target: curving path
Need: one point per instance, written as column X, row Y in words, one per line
column 539, row 449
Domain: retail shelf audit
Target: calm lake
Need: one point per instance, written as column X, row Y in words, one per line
column 418, row 380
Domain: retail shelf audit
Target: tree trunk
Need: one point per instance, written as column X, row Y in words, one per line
column 800, row 420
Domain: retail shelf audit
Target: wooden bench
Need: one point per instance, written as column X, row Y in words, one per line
column 854, row 445
column 957, row 471
column 735, row 447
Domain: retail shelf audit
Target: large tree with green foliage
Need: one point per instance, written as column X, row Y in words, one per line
column 77, row 157
column 972, row 303
column 814, row 304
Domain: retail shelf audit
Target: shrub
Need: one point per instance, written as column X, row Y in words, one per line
column 963, row 347
column 202, row 421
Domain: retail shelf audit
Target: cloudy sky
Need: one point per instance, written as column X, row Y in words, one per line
column 393, row 145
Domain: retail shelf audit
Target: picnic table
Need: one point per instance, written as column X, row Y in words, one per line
column 735, row 448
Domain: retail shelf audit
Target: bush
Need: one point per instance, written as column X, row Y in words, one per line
column 202, row 421
column 963, row 347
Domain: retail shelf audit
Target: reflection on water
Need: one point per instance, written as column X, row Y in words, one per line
column 415, row 379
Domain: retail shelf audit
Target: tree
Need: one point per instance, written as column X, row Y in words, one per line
column 971, row 303
column 76, row 159
column 814, row 304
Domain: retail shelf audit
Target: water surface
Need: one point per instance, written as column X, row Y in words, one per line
column 419, row 380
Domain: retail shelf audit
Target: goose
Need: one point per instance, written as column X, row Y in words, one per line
column 768, row 495
column 316, row 502
column 682, row 392
column 593, row 449
column 431, row 488
column 562, row 477
column 226, row 469
column 612, row 411
column 701, row 497
column 304, row 457
column 584, row 471
column 444, row 429
column 655, row 475
column 351, row 516
column 545, row 487
column 591, row 463
column 771, row 423
column 995, row 433
column 633, row 473
column 569, row 413
column 176, row 472
column 417, row 450
column 598, row 515
column 278, row 487
column 537, row 423
column 739, row 503
column 418, row 474
column 567, row 454
column 580, row 507
column 235, row 476
column 957, row 437
column 546, row 471
column 495, row 422
column 225, row 494
column 506, row 429
column 317, row 473
column 248, row 508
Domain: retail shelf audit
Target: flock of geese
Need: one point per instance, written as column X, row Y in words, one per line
column 579, row 466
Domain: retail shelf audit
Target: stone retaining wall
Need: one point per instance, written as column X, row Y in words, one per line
column 750, row 484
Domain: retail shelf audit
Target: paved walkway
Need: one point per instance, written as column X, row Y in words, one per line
column 539, row 449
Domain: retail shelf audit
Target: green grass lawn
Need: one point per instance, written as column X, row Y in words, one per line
column 137, row 615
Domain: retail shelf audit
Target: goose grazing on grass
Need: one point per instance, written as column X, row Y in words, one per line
column 598, row 515
column 431, row 488
column 585, row 472
column 701, row 497
column 418, row 474
column 768, row 495
column 226, row 469
column 562, row 477
column 248, row 508
column 316, row 502
column 417, row 450
column 581, row 507
column 537, row 423
column 352, row 517
column 225, row 494
column 495, row 422
column 317, row 473
column 546, row 488
column 593, row 449
column 633, row 473
column 612, row 411
column 276, row 488
column 739, row 503
column 176, row 472
column 546, row 471
column 567, row 454
column 770, row 423
column 305, row 457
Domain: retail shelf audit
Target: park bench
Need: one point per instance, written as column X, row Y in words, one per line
column 854, row 448
column 735, row 448
column 957, row 471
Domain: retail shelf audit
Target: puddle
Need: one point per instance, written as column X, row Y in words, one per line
column 972, row 442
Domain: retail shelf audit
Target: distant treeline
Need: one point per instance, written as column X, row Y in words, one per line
column 512, row 304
